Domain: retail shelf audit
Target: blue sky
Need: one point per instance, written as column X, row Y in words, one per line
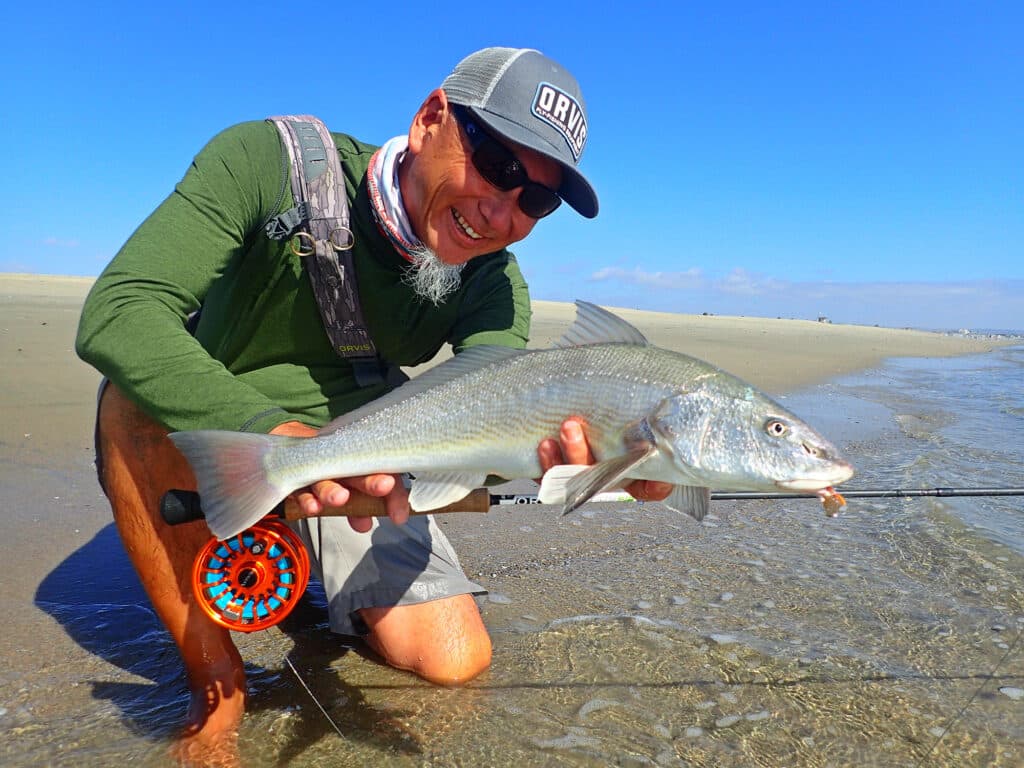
column 860, row 160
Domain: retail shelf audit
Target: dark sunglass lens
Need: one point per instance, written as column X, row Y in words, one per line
column 498, row 165
column 537, row 201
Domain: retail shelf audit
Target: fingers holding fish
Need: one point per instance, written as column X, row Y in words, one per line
column 326, row 497
column 294, row 429
column 395, row 493
column 549, row 454
column 573, row 442
column 573, row 448
column 649, row 490
column 570, row 448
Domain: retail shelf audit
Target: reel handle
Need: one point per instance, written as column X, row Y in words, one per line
column 178, row 506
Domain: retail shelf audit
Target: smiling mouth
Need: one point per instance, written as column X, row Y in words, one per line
column 471, row 233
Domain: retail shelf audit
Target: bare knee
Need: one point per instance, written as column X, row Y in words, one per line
column 448, row 661
column 443, row 641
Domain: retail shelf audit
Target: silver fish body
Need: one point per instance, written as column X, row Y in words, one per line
column 649, row 413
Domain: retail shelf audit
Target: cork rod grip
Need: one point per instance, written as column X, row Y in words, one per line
column 177, row 507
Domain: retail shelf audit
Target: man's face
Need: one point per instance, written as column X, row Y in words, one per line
column 452, row 208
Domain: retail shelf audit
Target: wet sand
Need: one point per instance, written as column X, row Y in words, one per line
column 89, row 677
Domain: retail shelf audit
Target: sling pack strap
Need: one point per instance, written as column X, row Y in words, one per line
column 319, row 228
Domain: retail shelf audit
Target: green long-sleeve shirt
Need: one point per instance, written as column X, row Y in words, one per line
column 260, row 355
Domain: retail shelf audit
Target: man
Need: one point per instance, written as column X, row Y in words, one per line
column 488, row 153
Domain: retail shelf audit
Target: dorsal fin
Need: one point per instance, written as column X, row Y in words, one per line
column 594, row 325
column 463, row 363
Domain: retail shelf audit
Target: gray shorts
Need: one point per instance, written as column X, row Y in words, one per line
column 389, row 565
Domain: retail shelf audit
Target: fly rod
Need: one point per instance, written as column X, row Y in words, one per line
column 179, row 506
column 895, row 493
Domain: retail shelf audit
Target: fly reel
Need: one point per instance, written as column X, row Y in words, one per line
column 252, row 580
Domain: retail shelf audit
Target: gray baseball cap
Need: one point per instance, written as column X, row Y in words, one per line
column 522, row 95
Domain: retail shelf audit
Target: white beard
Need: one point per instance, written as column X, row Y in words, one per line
column 429, row 277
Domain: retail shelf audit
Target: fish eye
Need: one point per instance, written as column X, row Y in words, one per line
column 776, row 428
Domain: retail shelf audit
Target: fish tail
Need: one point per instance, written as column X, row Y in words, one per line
column 234, row 488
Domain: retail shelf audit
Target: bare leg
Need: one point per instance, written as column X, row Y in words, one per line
column 139, row 465
column 443, row 641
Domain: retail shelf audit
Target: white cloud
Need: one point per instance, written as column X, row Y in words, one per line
column 691, row 278
column 970, row 304
column 739, row 281
column 57, row 242
column 743, row 283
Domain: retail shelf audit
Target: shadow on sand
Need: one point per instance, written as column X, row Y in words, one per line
column 95, row 595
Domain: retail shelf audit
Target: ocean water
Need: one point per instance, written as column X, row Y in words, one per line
column 922, row 423
column 768, row 635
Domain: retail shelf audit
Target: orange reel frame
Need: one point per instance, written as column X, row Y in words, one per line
column 251, row 581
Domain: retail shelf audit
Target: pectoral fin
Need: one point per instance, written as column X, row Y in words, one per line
column 690, row 499
column 433, row 491
column 552, row 485
column 572, row 485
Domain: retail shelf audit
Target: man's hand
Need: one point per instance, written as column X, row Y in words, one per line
column 313, row 499
column 572, row 448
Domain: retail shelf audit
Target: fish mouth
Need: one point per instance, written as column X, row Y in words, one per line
column 839, row 473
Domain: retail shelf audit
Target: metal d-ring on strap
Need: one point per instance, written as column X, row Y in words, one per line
column 319, row 233
column 344, row 245
column 340, row 238
column 302, row 244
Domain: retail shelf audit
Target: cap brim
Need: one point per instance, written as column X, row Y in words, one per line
column 575, row 188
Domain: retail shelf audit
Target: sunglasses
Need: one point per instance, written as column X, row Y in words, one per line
column 502, row 169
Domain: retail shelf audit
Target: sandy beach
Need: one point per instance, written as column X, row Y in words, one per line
column 61, row 551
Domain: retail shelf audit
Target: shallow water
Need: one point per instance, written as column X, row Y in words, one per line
column 768, row 635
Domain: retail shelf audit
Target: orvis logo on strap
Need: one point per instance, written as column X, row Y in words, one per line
column 559, row 109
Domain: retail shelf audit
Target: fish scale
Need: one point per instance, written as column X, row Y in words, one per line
column 532, row 394
column 519, row 401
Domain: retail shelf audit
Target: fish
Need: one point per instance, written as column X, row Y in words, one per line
column 648, row 414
